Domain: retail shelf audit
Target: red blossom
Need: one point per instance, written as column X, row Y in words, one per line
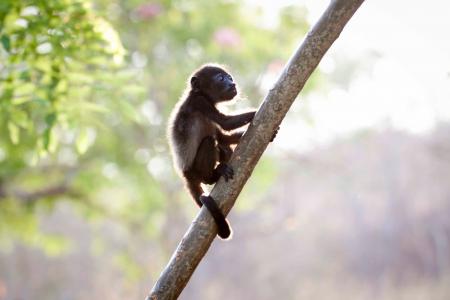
column 148, row 10
column 227, row 37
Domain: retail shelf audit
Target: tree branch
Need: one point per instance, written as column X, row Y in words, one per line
column 49, row 191
column 202, row 231
column 61, row 188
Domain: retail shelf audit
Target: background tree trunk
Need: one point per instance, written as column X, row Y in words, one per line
column 202, row 231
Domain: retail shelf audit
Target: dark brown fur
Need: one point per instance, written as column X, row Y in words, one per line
column 200, row 136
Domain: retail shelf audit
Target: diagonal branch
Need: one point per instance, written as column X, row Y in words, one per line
column 202, row 231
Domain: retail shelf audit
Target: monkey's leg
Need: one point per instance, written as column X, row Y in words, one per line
column 204, row 163
column 225, row 153
column 229, row 139
column 224, row 142
column 194, row 187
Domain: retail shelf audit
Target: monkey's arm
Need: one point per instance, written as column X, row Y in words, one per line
column 225, row 121
column 234, row 138
column 233, row 122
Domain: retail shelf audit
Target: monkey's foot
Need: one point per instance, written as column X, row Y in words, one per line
column 225, row 170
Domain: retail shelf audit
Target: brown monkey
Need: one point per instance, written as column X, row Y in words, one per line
column 200, row 139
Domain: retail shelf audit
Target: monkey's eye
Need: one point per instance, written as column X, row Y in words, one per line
column 221, row 78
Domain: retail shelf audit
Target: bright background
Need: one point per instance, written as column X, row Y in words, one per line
column 352, row 199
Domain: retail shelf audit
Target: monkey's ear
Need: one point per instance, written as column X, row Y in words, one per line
column 195, row 84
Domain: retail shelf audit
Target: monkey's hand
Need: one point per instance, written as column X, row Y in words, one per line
column 225, row 170
column 274, row 134
column 251, row 116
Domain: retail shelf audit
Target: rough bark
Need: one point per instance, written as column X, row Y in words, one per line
column 202, row 231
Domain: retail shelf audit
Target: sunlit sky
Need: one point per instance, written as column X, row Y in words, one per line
column 406, row 88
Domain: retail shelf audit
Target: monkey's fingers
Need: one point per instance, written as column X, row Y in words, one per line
column 226, row 171
column 274, row 134
column 229, row 173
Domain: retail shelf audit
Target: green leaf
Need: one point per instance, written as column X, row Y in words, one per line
column 20, row 100
column 20, row 118
column 82, row 142
column 14, row 133
column 6, row 42
column 50, row 119
column 7, row 92
column 94, row 107
column 49, row 140
column 25, row 75
column 24, row 88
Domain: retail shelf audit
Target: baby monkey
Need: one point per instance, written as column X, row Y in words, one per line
column 200, row 138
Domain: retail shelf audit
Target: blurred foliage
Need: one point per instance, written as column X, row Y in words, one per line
column 86, row 87
column 54, row 57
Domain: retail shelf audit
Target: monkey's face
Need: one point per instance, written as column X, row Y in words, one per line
column 224, row 86
column 215, row 82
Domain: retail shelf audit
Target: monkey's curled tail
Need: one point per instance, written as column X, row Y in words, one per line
column 224, row 229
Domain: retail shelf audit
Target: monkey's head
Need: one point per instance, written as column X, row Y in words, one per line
column 215, row 82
